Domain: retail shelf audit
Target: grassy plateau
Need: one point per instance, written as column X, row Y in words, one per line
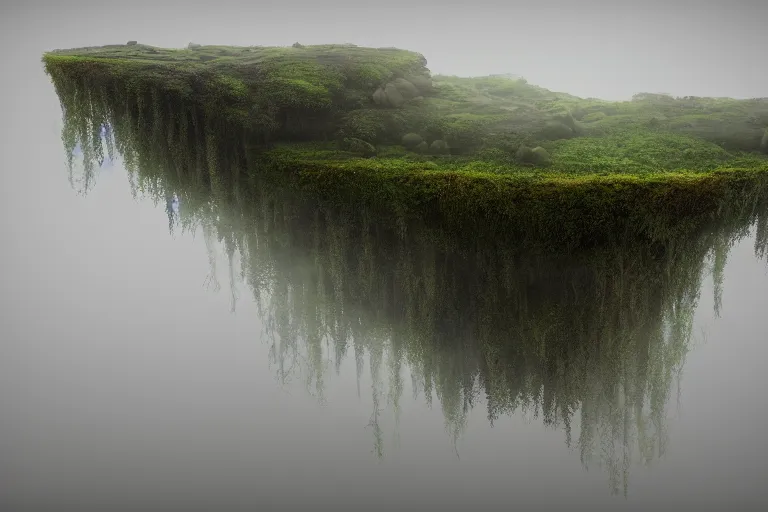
column 373, row 128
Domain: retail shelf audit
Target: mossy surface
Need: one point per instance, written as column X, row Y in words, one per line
column 493, row 155
column 602, row 332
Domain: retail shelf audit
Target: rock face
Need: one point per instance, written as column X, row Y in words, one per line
column 132, row 43
column 400, row 90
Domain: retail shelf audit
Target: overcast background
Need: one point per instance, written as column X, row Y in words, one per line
column 123, row 379
column 590, row 48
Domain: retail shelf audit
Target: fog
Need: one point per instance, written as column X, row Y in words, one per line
column 593, row 49
column 124, row 379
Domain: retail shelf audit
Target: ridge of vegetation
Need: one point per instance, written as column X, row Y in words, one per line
column 372, row 127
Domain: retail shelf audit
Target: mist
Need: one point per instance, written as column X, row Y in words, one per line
column 593, row 49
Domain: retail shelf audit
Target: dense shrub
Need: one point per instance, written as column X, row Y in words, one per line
column 524, row 155
column 411, row 140
column 540, row 156
column 555, row 130
column 358, row 146
column 439, row 147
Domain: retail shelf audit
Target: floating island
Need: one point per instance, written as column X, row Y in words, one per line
column 373, row 128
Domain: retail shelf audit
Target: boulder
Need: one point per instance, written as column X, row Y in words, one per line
column 132, row 43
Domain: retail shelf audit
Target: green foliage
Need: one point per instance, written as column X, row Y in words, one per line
column 594, row 116
column 613, row 173
column 640, row 151
column 524, row 155
column 556, row 130
column 439, row 147
column 412, row 140
column 311, row 92
column 359, row 146
column 266, row 88
column 540, row 156
column 372, row 125
column 391, row 248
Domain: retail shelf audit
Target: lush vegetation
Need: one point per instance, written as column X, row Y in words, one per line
column 401, row 228
column 364, row 127
column 591, row 342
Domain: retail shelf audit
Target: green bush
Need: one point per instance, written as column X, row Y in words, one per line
column 358, row 146
column 439, row 147
column 540, row 156
column 411, row 140
column 407, row 90
column 555, row 130
column 524, row 155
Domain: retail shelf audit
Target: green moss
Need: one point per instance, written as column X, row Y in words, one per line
column 597, row 166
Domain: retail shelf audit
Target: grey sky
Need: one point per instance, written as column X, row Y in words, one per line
column 603, row 49
column 123, row 379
